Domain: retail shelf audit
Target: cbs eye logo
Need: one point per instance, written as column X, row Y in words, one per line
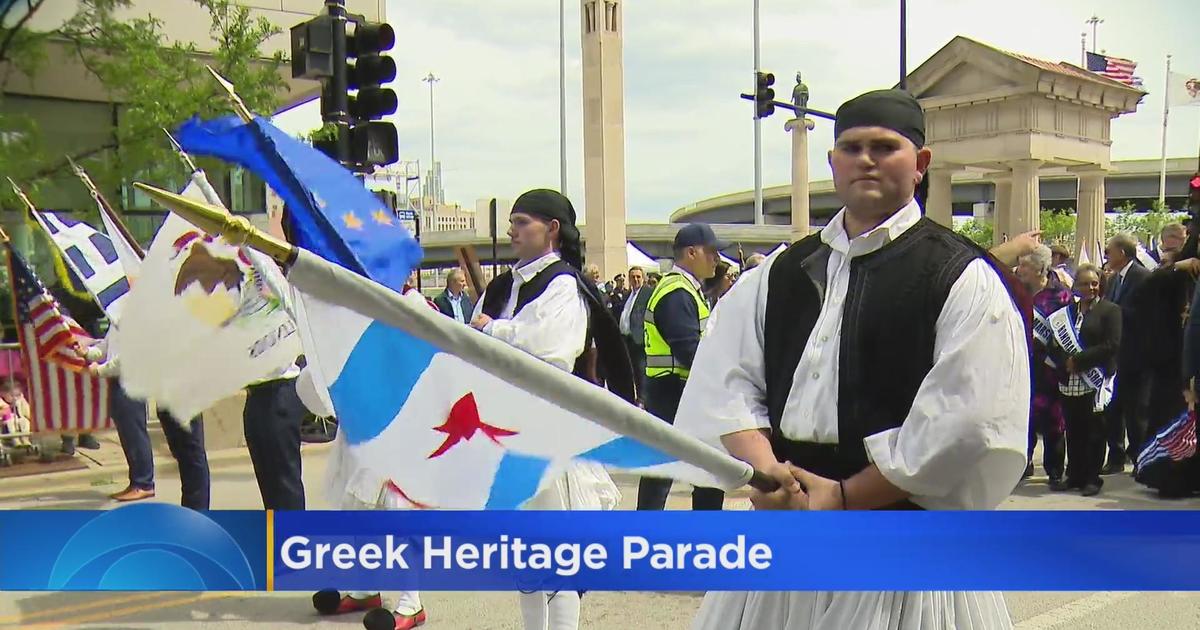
column 151, row 547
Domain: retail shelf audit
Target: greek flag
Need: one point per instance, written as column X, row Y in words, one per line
column 93, row 258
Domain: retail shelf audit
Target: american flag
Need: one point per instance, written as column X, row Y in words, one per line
column 1114, row 68
column 63, row 396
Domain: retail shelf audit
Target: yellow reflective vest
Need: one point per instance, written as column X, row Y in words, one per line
column 659, row 360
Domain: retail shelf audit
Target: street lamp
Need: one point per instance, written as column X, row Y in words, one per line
column 1094, row 21
column 433, row 183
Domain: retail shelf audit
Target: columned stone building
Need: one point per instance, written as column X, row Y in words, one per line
column 1014, row 117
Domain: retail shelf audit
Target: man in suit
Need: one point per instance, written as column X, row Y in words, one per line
column 1127, row 415
column 454, row 301
column 631, row 318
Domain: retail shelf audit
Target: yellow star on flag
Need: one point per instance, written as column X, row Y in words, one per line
column 382, row 218
column 351, row 221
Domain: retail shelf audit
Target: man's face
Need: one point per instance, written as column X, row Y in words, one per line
column 1115, row 256
column 636, row 279
column 455, row 283
column 1172, row 242
column 530, row 236
column 876, row 170
column 1058, row 259
column 703, row 261
column 619, row 282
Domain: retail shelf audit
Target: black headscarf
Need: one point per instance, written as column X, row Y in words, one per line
column 551, row 204
column 891, row 109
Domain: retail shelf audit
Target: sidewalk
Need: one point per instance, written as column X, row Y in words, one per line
column 106, row 465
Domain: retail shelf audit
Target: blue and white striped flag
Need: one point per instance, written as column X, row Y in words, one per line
column 93, row 258
column 467, row 421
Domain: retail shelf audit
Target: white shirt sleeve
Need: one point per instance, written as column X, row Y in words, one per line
column 553, row 327
column 962, row 445
column 726, row 389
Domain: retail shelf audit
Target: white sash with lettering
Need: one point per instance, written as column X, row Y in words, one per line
column 1043, row 333
column 1062, row 325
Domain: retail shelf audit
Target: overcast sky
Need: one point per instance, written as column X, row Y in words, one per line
column 687, row 134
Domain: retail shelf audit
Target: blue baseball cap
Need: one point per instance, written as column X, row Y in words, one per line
column 698, row 234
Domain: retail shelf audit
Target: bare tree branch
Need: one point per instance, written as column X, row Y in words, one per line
column 8, row 39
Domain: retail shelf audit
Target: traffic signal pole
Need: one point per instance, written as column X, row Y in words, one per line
column 758, row 193
column 339, row 81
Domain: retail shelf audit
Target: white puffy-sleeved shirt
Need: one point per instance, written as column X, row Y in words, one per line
column 962, row 444
column 552, row 327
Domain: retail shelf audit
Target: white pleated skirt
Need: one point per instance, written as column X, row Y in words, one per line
column 940, row 610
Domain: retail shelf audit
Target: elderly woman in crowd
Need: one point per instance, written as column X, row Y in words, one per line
column 1035, row 271
column 1087, row 338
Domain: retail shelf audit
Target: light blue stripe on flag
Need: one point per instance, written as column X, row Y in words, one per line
column 516, row 481
column 626, row 452
column 376, row 380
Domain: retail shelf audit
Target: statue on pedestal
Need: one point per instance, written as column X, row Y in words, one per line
column 800, row 95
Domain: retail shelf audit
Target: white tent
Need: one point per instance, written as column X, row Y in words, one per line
column 636, row 257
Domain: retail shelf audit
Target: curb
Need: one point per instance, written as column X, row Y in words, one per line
column 164, row 464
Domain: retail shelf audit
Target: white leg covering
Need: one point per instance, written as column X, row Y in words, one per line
column 534, row 611
column 564, row 610
column 408, row 602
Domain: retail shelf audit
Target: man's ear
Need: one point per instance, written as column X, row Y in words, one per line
column 924, row 157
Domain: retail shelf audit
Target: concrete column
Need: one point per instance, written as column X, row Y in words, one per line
column 940, row 206
column 801, row 220
column 1089, row 219
column 603, row 135
column 1026, row 197
column 1002, row 212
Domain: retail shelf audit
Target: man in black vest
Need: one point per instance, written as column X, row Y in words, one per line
column 546, row 307
column 881, row 363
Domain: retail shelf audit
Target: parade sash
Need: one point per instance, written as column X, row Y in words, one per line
column 1062, row 324
column 1041, row 328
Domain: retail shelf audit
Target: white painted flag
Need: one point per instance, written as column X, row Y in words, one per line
column 1183, row 89
column 203, row 320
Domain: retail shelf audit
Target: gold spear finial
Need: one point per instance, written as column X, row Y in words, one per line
column 21, row 194
column 239, row 105
column 187, row 159
column 211, row 219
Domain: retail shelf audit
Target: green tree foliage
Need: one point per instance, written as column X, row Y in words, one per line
column 159, row 84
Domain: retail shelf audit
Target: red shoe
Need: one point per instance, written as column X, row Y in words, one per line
column 328, row 602
column 384, row 619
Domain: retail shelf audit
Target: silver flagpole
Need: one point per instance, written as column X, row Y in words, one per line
column 1162, row 172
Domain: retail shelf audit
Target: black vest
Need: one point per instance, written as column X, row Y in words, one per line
column 609, row 365
column 893, row 301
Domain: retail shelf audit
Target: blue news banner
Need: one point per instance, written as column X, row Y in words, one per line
column 164, row 547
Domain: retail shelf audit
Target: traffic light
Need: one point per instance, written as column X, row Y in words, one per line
column 1194, row 192
column 363, row 140
column 372, row 141
column 763, row 94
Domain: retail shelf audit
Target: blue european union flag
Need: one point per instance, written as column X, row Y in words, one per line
column 330, row 212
